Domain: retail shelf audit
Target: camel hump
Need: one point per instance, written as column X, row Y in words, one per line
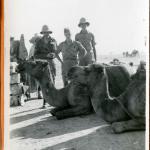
column 119, row 79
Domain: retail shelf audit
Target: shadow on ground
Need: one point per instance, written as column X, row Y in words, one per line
column 32, row 115
column 49, row 126
column 103, row 139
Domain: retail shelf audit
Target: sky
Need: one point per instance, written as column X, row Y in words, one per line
column 118, row 25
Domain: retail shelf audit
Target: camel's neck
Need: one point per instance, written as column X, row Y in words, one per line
column 48, row 89
column 100, row 82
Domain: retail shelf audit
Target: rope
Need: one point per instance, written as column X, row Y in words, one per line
column 114, row 98
column 107, row 86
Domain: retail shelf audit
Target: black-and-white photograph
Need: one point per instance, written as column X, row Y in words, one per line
column 77, row 74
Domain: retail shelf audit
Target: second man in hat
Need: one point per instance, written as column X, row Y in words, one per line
column 87, row 40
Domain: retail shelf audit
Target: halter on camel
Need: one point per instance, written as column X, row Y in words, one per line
column 50, row 78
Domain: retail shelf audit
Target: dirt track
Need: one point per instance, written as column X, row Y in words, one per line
column 33, row 128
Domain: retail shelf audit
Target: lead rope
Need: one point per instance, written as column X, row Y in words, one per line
column 50, row 74
column 114, row 98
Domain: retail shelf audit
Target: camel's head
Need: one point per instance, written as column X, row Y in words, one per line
column 33, row 68
column 87, row 74
column 141, row 71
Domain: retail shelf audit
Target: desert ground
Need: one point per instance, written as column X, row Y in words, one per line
column 33, row 128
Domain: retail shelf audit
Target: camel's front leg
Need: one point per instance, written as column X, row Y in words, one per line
column 130, row 125
column 55, row 110
column 72, row 112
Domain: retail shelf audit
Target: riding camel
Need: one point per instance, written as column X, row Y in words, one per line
column 114, row 96
column 73, row 100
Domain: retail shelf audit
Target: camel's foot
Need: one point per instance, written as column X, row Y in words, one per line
column 130, row 125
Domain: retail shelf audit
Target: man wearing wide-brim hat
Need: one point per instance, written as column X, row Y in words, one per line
column 45, row 49
column 86, row 38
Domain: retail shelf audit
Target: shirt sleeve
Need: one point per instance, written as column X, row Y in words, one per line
column 76, row 37
column 93, row 40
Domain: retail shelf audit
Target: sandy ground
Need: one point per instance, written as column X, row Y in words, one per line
column 33, row 128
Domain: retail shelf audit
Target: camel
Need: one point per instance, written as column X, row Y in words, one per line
column 134, row 53
column 73, row 100
column 114, row 96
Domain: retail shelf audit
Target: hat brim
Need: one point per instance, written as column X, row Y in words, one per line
column 87, row 23
column 50, row 32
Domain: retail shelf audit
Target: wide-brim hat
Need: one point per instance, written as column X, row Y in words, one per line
column 83, row 21
column 45, row 29
column 34, row 38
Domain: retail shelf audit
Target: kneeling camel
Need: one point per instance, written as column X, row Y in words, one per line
column 126, row 111
column 70, row 101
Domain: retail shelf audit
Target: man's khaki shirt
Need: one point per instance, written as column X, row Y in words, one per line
column 86, row 39
column 71, row 51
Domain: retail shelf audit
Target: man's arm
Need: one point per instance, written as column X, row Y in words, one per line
column 93, row 45
column 76, row 37
column 57, row 51
column 81, row 50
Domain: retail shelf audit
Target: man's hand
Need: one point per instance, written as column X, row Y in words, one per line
column 51, row 55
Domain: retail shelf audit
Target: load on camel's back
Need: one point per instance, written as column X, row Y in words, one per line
column 114, row 96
